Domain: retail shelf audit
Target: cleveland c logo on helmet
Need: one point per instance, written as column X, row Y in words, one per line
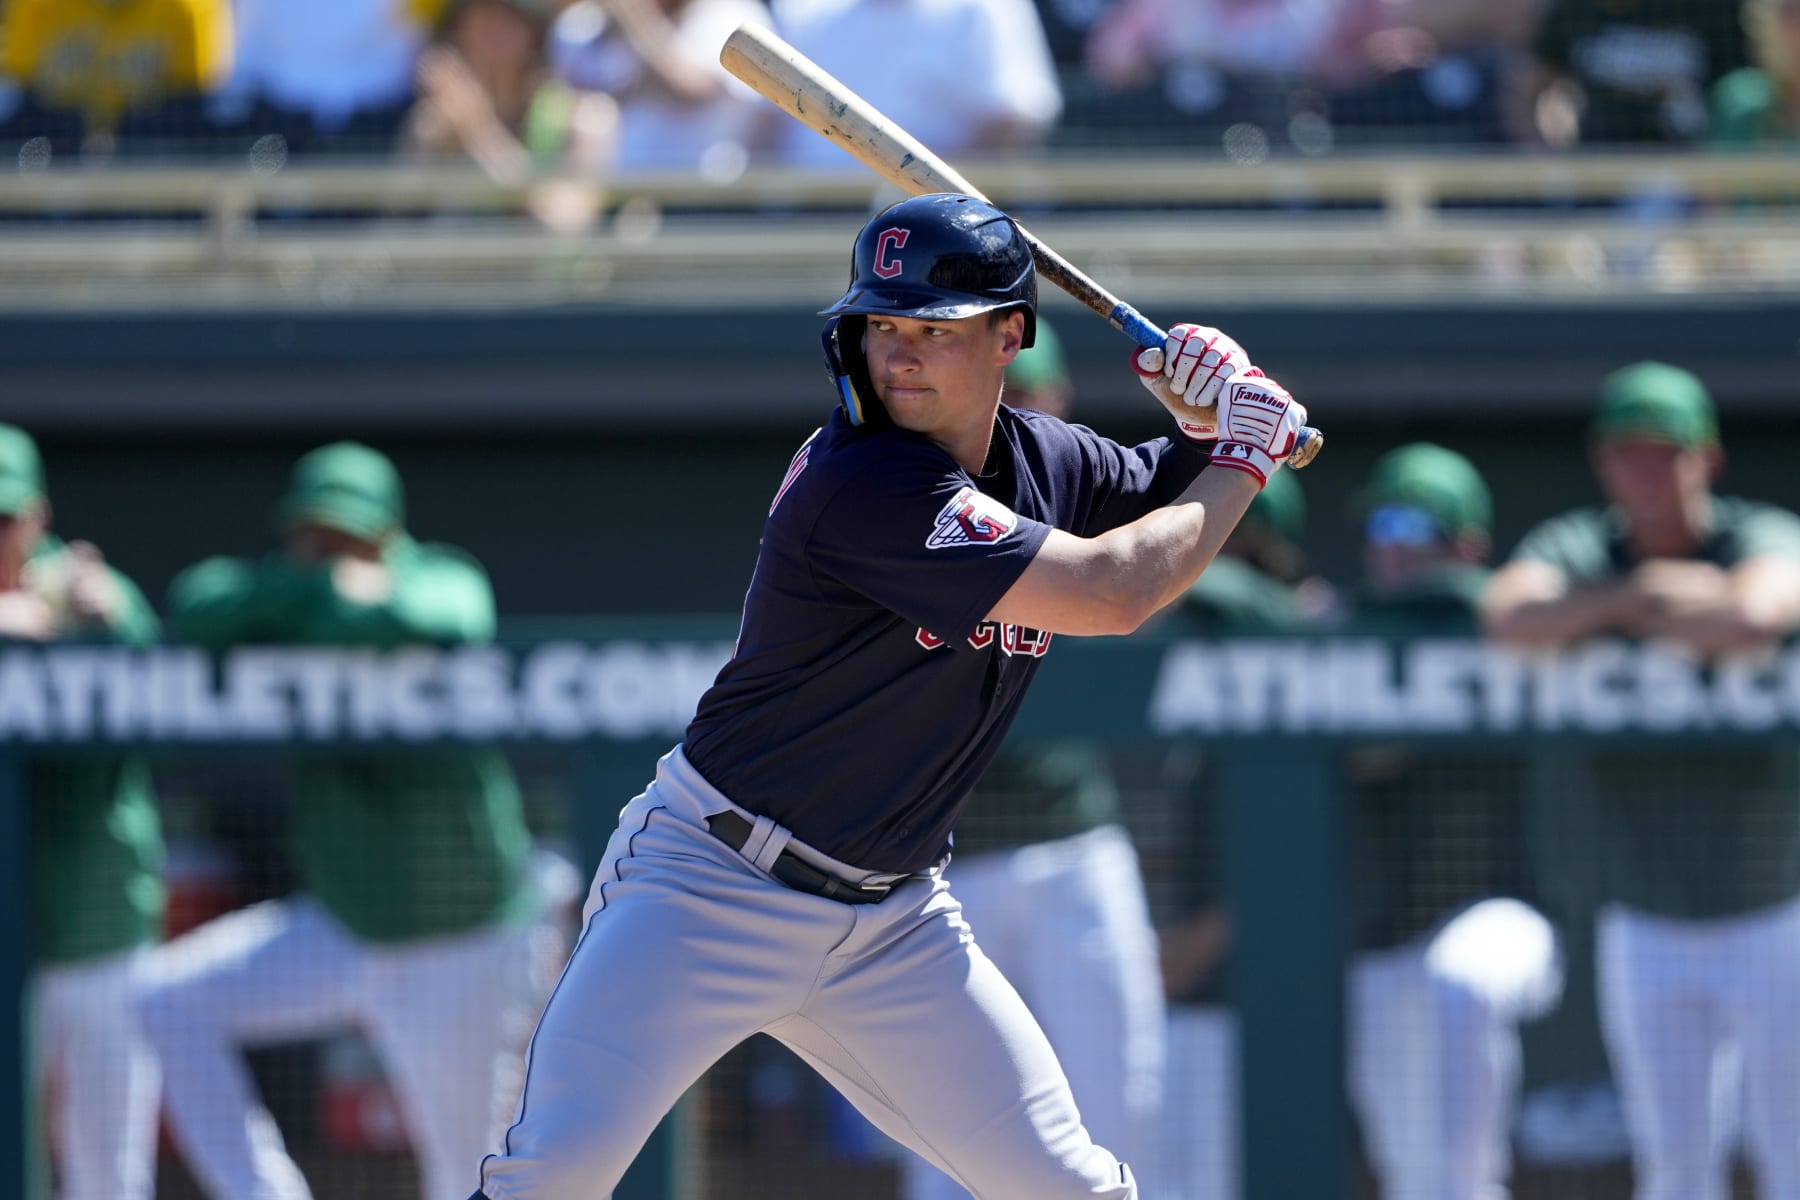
column 964, row 257
column 887, row 264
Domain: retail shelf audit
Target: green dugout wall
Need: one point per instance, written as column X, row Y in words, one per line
column 1279, row 716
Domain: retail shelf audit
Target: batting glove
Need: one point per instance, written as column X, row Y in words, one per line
column 1187, row 373
column 1259, row 426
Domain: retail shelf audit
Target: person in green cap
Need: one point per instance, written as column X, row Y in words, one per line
column 1448, row 955
column 1049, row 879
column 1698, row 871
column 96, row 855
column 415, row 916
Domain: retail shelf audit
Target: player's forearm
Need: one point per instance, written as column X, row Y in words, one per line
column 1163, row 552
column 1555, row 621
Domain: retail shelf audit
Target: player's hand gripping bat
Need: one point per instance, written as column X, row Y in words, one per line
column 799, row 87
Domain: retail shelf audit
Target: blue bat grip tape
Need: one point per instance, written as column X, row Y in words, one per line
column 1133, row 322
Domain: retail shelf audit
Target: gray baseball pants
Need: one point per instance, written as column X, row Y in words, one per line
column 689, row 947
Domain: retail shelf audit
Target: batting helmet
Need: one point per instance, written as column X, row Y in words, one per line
column 936, row 257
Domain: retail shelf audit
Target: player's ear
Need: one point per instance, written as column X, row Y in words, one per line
column 1012, row 334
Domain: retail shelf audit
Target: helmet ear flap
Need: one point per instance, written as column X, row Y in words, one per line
column 849, row 370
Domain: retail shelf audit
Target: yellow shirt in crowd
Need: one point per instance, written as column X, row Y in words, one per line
column 108, row 56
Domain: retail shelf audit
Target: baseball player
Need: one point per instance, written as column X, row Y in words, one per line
column 415, row 921
column 783, row 873
column 1048, row 878
column 1449, row 955
column 96, row 851
column 1697, row 957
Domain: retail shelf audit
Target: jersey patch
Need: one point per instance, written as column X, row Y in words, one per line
column 970, row 518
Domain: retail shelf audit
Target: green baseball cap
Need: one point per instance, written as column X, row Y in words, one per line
column 345, row 486
column 1042, row 364
column 21, row 471
column 1657, row 401
column 1438, row 484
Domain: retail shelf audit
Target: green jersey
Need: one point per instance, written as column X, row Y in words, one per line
column 1430, row 833
column 1686, row 832
column 1233, row 597
column 96, row 839
column 396, row 845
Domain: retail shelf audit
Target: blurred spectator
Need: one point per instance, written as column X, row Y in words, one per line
column 965, row 77
column 1761, row 103
column 1448, row 959
column 96, row 852
column 657, row 98
column 1050, row 882
column 416, row 919
column 1625, row 71
column 1258, row 581
column 485, row 93
column 1698, row 938
column 85, row 66
column 478, row 84
column 325, row 76
column 1357, row 62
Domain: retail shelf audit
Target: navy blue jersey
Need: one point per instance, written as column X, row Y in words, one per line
column 868, row 690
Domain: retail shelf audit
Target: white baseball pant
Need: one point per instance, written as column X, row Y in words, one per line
column 1067, row 924
column 1198, row 1154
column 1676, row 998
column 1434, row 1048
column 444, row 1014
column 689, row 948
column 98, row 1066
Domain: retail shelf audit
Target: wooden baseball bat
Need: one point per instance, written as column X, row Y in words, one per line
column 805, row 91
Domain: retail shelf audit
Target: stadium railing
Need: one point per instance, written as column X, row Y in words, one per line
column 1351, row 224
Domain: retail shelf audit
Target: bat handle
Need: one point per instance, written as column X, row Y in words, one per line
column 1136, row 326
column 1144, row 332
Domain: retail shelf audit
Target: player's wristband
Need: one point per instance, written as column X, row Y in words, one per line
column 1242, row 456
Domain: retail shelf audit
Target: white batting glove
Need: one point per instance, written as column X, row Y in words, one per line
column 1259, row 426
column 1187, row 373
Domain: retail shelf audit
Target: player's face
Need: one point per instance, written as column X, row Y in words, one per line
column 19, row 536
column 1652, row 481
column 940, row 377
column 311, row 545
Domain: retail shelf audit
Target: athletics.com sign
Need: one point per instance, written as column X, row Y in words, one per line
column 1363, row 686
column 558, row 692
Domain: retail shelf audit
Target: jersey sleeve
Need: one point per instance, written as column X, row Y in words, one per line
column 446, row 599
column 223, row 601
column 1573, row 544
column 1129, row 481
column 914, row 535
column 1769, row 532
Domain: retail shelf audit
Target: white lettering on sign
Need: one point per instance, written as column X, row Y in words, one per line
column 1359, row 686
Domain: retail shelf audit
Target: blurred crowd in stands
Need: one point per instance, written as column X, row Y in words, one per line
column 594, row 86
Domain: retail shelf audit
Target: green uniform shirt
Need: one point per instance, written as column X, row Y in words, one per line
column 396, row 845
column 1686, row 832
column 96, row 839
column 1233, row 597
column 1430, row 833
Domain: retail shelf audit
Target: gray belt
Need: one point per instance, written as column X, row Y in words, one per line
column 793, row 870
